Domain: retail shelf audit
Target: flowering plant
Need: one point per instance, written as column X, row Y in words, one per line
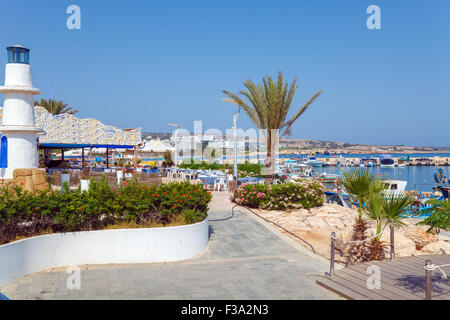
column 286, row 196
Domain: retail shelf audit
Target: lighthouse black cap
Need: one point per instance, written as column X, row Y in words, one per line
column 18, row 54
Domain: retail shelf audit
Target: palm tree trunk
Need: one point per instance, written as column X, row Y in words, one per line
column 269, row 163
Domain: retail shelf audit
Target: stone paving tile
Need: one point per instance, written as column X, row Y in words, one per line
column 244, row 260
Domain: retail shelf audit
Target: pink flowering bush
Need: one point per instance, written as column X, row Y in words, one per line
column 305, row 194
column 250, row 195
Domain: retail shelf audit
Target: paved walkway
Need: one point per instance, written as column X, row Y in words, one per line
column 245, row 259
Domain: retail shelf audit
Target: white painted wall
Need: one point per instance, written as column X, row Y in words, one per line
column 22, row 153
column 101, row 247
column 18, row 74
column 18, row 109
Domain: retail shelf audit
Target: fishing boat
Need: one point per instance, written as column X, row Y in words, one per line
column 386, row 161
column 395, row 187
column 315, row 162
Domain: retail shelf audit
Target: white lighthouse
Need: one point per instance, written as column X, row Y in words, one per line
column 18, row 145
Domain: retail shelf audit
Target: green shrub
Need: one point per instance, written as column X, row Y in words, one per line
column 23, row 214
column 440, row 215
column 193, row 216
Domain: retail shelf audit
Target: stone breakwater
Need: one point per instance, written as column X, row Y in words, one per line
column 316, row 225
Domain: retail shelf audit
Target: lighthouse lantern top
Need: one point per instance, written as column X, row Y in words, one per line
column 18, row 54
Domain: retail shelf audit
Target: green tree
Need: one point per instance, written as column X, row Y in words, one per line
column 268, row 107
column 168, row 158
column 440, row 215
column 55, row 107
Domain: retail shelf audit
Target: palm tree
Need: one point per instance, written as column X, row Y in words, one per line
column 385, row 210
column 393, row 207
column 55, row 107
column 361, row 184
column 269, row 106
column 375, row 211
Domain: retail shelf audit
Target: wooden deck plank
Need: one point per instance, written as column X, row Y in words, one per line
column 361, row 287
column 403, row 278
column 414, row 280
column 386, row 285
column 340, row 289
column 394, row 278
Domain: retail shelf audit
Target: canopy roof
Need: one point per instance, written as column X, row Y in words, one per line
column 157, row 146
column 68, row 131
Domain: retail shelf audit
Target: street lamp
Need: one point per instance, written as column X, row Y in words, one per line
column 235, row 117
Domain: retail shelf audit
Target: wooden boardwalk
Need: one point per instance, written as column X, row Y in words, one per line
column 402, row 279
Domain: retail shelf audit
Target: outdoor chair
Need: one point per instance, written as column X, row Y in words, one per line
column 220, row 183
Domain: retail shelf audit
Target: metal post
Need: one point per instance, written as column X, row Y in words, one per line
column 235, row 117
column 333, row 246
column 428, row 273
column 392, row 242
column 107, row 158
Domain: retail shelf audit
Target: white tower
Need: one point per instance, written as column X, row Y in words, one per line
column 18, row 145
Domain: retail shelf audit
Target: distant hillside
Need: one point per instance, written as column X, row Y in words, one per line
column 303, row 145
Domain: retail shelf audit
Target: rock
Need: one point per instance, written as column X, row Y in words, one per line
column 403, row 247
column 30, row 179
column 437, row 247
column 419, row 235
column 39, row 177
column 21, row 173
column 317, row 222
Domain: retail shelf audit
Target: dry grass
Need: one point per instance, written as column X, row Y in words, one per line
column 179, row 221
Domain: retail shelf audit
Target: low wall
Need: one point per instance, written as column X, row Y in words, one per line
column 101, row 247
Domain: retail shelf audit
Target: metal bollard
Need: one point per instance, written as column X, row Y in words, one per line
column 428, row 273
column 333, row 246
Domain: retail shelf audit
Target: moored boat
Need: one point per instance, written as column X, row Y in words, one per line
column 386, row 161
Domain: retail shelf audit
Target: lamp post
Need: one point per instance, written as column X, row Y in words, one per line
column 235, row 117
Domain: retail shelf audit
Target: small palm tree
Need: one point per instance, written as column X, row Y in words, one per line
column 387, row 210
column 376, row 212
column 361, row 184
column 393, row 207
column 55, row 107
column 269, row 106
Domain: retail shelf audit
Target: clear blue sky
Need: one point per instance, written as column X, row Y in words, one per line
column 147, row 63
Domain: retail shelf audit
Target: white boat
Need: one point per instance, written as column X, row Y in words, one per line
column 315, row 163
column 386, row 161
column 395, row 187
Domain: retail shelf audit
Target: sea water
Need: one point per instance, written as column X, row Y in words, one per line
column 418, row 178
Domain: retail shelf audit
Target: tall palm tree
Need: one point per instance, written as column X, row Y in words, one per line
column 268, row 107
column 55, row 107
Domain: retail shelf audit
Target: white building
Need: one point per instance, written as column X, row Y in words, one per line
column 18, row 147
